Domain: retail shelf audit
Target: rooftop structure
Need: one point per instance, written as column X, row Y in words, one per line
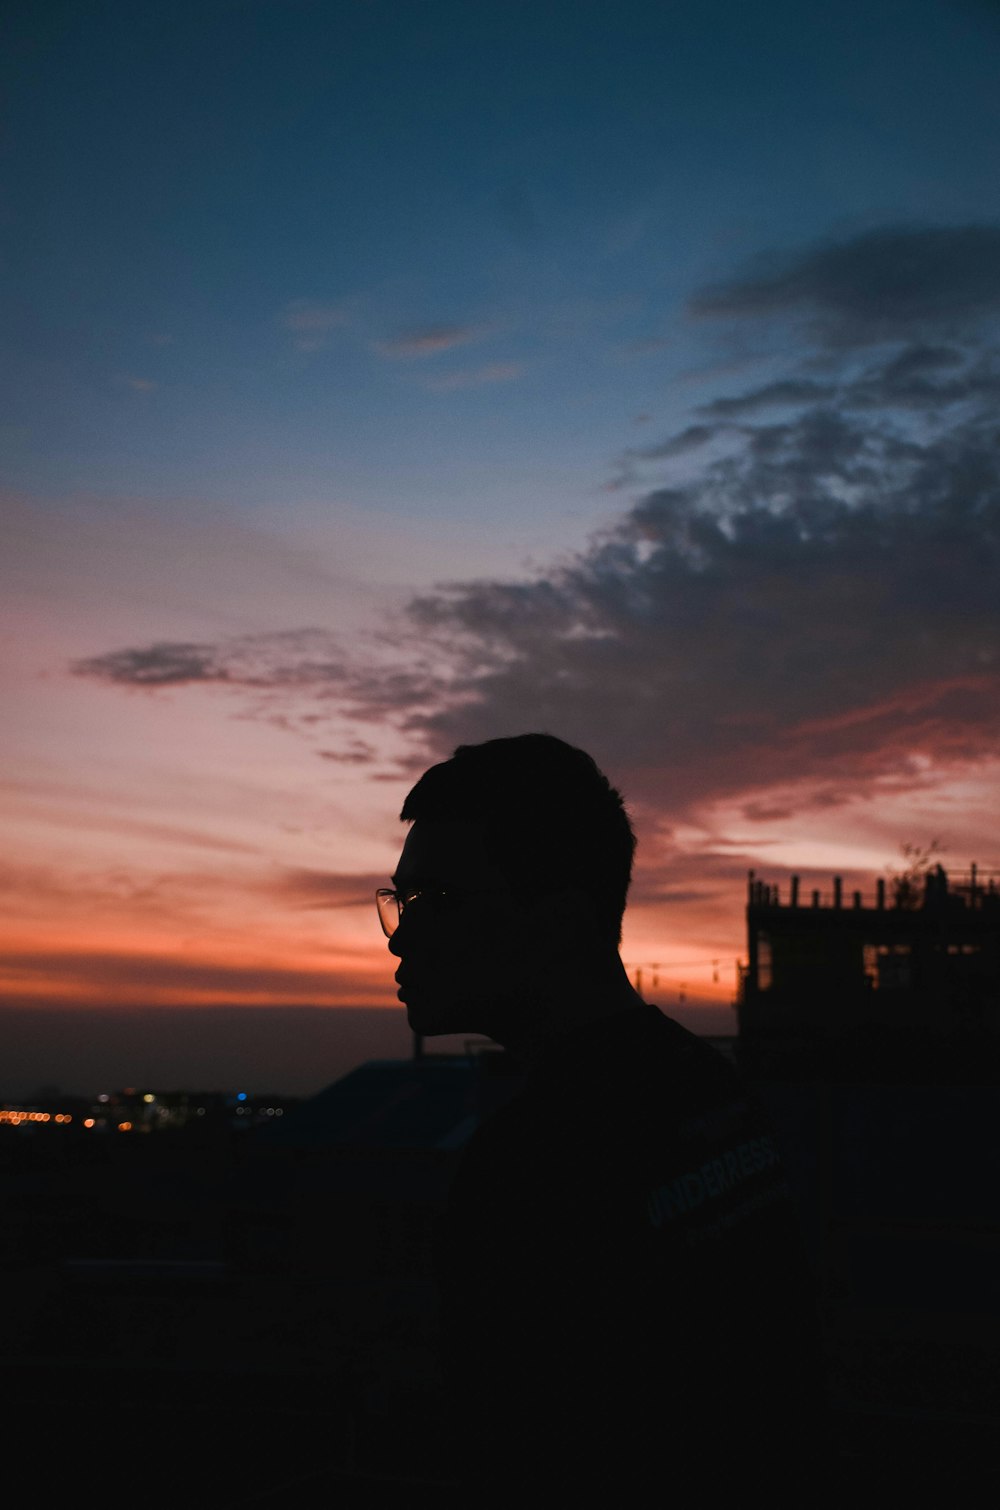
column 918, row 960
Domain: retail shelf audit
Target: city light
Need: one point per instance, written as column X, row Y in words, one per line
column 13, row 1117
column 166, row 1111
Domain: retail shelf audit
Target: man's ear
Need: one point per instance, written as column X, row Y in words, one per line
column 570, row 910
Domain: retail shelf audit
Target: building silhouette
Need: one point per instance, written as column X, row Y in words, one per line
column 904, row 982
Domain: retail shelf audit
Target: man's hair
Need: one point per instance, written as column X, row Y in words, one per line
column 551, row 819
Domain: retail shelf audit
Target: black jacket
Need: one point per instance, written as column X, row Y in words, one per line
column 626, row 1306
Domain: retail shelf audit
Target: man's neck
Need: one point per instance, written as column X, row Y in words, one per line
column 577, row 999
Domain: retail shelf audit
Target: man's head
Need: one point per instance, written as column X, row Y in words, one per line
column 524, row 853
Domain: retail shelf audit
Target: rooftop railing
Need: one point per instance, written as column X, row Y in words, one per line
column 973, row 889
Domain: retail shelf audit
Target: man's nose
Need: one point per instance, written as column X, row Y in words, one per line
column 401, row 937
column 398, row 937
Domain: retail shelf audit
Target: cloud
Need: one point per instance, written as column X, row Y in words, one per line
column 428, row 340
column 811, row 607
column 790, row 391
column 788, row 640
column 308, row 658
column 114, row 897
column 165, row 664
column 323, row 888
column 477, row 377
column 140, row 384
column 107, row 976
column 916, row 376
column 913, row 379
column 312, row 322
column 820, row 607
column 357, row 752
column 688, row 439
column 159, row 833
column 816, row 606
column 301, row 681
column 886, row 284
column 673, row 875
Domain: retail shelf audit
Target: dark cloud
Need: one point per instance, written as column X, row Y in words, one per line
column 675, row 875
column 818, row 605
column 771, row 396
column 821, row 606
column 813, row 608
column 911, row 379
column 293, row 658
column 796, row 637
column 688, row 439
column 917, row 360
column 356, row 753
column 887, row 284
column 299, row 681
column 165, row 664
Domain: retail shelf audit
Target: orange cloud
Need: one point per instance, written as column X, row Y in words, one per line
column 211, row 977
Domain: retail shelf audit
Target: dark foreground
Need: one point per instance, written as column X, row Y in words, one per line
column 253, row 1319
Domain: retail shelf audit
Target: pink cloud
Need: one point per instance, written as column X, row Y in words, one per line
column 427, row 340
column 477, row 377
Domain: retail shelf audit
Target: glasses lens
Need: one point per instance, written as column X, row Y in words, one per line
column 388, row 911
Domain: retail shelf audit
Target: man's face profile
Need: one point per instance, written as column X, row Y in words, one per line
column 464, row 945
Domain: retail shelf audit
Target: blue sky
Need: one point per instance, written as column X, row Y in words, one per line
column 200, row 191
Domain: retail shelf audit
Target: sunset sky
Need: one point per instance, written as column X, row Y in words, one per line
column 382, row 376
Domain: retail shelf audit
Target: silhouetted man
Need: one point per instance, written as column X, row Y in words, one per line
column 625, row 1310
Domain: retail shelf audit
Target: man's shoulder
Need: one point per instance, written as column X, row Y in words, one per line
column 632, row 1081
column 643, row 1055
column 695, row 1070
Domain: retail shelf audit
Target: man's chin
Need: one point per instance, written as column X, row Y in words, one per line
column 422, row 1021
column 434, row 1020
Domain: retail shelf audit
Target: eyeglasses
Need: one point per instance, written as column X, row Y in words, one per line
column 392, row 904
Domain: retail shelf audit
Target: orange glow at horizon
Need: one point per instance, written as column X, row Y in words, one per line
column 235, row 940
column 180, row 858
